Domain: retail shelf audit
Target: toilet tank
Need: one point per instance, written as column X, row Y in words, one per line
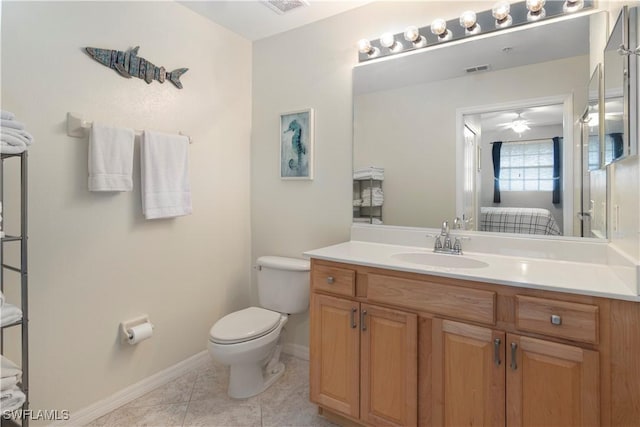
column 283, row 284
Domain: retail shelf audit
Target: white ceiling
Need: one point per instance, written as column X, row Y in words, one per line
column 254, row 21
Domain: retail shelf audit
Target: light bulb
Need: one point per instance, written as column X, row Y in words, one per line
column 536, row 10
column 469, row 22
column 572, row 6
column 412, row 34
column 364, row 46
column 439, row 28
column 500, row 11
column 535, row 5
column 389, row 41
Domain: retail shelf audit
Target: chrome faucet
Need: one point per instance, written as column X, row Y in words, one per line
column 443, row 242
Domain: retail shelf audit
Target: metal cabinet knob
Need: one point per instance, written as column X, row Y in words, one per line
column 556, row 320
column 330, row 280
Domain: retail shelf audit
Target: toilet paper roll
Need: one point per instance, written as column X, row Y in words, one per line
column 139, row 333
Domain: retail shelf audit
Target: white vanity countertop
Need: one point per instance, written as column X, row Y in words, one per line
column 560, row 276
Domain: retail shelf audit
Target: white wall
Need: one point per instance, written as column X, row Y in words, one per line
column 94, row 260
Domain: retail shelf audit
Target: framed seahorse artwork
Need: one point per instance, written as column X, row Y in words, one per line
column 296, row 144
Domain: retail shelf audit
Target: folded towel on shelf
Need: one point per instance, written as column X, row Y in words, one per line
column 369, row 173
column 166, row 191
column 9, row 314
column 6, row 148
column 13, row 139
column 22, row 134
column 363, row 220
column 8, row 383
column 11, row 124
column 9, row 369
column 110, row 158
column 6, row 115
column 11, row 399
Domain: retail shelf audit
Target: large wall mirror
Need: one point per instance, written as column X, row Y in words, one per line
column 427, row 121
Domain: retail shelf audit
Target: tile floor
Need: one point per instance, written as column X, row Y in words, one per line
column 199, row 398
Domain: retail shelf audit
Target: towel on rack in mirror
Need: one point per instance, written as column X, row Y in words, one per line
column 164, row 161
column 9, row 314
column 110, row 158
column 14, row 139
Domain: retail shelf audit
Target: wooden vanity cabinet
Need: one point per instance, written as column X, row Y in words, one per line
column 363, row 361
column 438, row 351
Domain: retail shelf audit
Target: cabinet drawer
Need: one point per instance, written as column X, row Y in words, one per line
column 560, row 319
column 336, row 280
column 462, row 303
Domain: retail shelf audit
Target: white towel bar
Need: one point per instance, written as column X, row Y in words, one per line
column 76, row 126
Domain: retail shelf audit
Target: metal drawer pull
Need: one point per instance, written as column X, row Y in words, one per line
column 330, row 280
column 362, row 322
column 353, row 318
column 556, row 320
column 514, row 347
column 496, row 351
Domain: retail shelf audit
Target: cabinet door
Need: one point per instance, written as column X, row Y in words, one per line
column 468, row 375
column 389, row 367
column 334, row 354
column 550, row 384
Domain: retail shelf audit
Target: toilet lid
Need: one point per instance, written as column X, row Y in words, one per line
column 244, row 325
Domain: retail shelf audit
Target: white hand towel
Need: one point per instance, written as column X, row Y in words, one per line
column 9, row 314
column 9, row 369
column 165, row 175
column 11, row 124
column 110, row 158
column 7, row 115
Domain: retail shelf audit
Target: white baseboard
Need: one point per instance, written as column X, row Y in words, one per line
column 296, row 350
column 124, row 396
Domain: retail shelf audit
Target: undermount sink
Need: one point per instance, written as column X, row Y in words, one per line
column 439, row 260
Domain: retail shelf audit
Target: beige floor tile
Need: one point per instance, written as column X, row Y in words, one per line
column 199, row 398
column 223, row 412
column 153, row 416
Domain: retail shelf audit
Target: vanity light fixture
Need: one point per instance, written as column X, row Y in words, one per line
column 536, row 10
column 439, row 28
column 412, row 34
column 364, row 46
column 501, row 11
column 505, row 14
column 571, row 6
column 624, row 51
column 469, row 22
column 388, row 40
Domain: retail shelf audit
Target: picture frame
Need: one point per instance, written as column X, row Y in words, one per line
column 296, row 145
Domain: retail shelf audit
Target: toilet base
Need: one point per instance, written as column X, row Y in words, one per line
column 252, row 379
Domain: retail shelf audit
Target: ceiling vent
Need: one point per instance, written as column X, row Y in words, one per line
column 283, row 6
column 477, row 68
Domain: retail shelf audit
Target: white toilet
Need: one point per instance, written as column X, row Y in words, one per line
column 247, row 340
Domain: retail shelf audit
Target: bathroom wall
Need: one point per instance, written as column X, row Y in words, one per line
column 311, row 67
column 94, row 260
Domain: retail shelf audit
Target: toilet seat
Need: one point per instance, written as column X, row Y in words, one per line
column 244, row 325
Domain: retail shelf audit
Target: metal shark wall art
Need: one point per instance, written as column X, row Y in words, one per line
column 129, row 64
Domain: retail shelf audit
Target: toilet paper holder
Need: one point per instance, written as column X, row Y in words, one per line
column 128, row 324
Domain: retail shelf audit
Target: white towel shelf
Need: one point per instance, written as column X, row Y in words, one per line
column 77, row 126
